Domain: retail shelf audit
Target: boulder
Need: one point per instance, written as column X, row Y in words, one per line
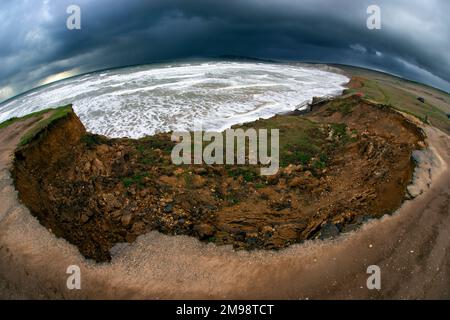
column 328, row 230
column 204, row 230
column 126, row 219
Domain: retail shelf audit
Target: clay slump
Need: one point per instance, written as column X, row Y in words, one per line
column 96, row 192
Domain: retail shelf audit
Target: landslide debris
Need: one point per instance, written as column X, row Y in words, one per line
column 345, row 162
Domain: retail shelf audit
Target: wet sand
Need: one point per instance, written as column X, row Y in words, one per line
column 412, row 248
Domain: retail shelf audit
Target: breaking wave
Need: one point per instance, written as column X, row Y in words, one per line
column 138, row 101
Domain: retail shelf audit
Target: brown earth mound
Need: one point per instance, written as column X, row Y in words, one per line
column 347, row 161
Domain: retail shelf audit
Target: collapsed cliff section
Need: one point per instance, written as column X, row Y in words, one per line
column 347, row 161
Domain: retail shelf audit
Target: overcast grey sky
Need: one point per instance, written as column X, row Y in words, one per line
column 36, row 47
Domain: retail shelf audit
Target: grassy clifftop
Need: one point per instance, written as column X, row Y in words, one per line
column 402, row 95
column 43, row 119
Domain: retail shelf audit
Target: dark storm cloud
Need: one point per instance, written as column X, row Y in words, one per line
column 414, row 41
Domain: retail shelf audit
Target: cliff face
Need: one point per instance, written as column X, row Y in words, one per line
column 51, row 150
column 54, row 142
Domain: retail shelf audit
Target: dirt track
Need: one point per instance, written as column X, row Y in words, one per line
column 411, row 247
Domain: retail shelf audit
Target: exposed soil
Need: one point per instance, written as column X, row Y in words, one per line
column 346, row 162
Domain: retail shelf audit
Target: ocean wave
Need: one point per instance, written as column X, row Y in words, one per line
column 139, row 101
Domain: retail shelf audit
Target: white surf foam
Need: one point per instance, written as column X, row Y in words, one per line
column 139, row 101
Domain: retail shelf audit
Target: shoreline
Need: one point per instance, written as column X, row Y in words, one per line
column 150, row 113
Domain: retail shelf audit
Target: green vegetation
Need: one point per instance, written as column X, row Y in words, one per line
column 91, row 140
column 232, row 198
column 402, row 95
column 407, row 102
column 43, row 123
column 302, row 145
column 152, row 150
column 321, row 163
column 137, row 179
column 343, row 106
column 187, row 176
column 340, row 130
column 248, row 173
column 300, row 139
column 159, row 141
column 147, row 156
column 38, row 114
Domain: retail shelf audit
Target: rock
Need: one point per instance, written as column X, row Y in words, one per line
column 350, row 227
column 296, row 182
column 126, row 219
column 362, row 219
column 87, row 167
column 267, row 230
column 370, row 150
column 201, row 171
column 168, row 208
column 281, row 204
column 330, row 137
column 291, row 168
column 116, row 214
column 240, row 235
column 130, row 237
column 421, row 144
column 287, row 231
column 102, row 149
column 68, row 216
column 172, row 181
column 138, row 227
column 413, row 191
column 328, row 230
column 204, row 230
column 84, row 218
column 110, row 202
column 228, row 228
column 179, row 171
column 198, row 181
column 418, row 156
column 144, row 193
column 97, row 165
column 251, row 239
column 273, row 179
